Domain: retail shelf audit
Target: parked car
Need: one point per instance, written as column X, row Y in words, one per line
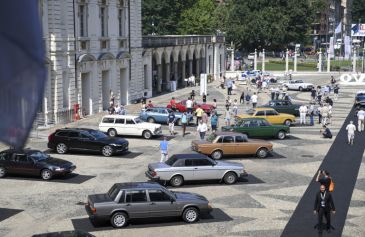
column 298, row 85
column 116, row 125
column 258, row 127
column 34, row 163
column 160, row 115
column 186, row 167
column 270, row 115
column 126, row 201
column 251, row 56
column 360, row 99
column 84, row 139
column 283, row 106
column 181, row 107
column 220, row 144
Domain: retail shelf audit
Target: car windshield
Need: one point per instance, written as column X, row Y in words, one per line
column 137, row 120
column 211, row 137
column 97, row 134
column 171, row 161
column 113, row 192
column 299, row 81
column 39, row 156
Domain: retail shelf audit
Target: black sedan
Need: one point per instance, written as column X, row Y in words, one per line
column 83, row 139
column 34, row 163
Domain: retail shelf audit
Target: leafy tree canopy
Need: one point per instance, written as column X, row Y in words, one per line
column 358, row 11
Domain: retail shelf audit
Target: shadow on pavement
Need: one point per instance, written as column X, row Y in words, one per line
column 70, row 178
column 5, row 213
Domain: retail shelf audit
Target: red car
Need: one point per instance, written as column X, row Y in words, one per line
column 181, row 106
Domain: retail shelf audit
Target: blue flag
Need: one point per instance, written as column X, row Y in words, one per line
column 22, row 69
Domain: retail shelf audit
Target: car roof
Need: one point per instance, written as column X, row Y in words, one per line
column 189, row 156
column 120, row 116
column 254, row 118
column 75, row 129
column 137, row 185
column 228, row 133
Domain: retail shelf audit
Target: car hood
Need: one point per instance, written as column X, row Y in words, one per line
column 231, row 164
column 158, row 165
column 56, row 162
column 116, row 140
column 181, row 196
column 99, row 198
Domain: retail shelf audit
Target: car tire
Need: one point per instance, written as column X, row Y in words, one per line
column 177, row 181
column 112, row 132
column 217, row 155
column 147, row 134
column 61, row 148
column 300, row 88
column 178, row 122
column 190, row 215
column 230, row 178
column 107, row 151
column 46, row 174
column 151, row 120
column 281, row 135
column 262, row 153
column 2, row 172
column 287, row 122
column 119, row 220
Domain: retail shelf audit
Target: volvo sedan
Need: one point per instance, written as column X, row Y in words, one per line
column 187, row 167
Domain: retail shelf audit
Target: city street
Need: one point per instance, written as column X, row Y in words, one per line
column 260, row 206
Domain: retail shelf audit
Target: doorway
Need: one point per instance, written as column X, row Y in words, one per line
column 123, row 86
column 85, row 98
column 105, row 85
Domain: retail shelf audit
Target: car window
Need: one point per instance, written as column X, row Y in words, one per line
column 171, row 160
column 253, row 123
column 136, row 196
column 20, row 158
column 108, row 120
column 265, row 123
column 228, row 139
column 179, row 163
column 270, row 113
column 201, row 162
column 158, row 196
column 4, row 156
column 211, row 137
column 137, row 120
column 260, row 113
column 240, row 139
column 163, row 111
column 129, row 121
column 272, row 103
column 220, row 140
column 122, row 197
column 97, row 134
column 245, row 124
column 113, row 192
column 188, row 162
column 39, row 156
column 119, row 121
column 286, row 102
column 62, row 134
column 73, row 134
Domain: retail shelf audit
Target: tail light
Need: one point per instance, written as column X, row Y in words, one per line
column 93, row 210
column 153, row 173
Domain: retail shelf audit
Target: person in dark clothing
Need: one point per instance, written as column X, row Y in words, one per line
column 323, row 177
column 242, row 98
column 204, row 98
column 326, row 132
column 192, row 94
column 329, row 101
column 313, row 94
column 323, row 206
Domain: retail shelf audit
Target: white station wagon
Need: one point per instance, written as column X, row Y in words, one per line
column 128, row 125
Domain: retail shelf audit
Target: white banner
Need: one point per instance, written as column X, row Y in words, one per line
column 203, row 83
column 331, row 49
column 347, row 47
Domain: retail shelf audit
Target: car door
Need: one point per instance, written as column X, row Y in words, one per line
column 136, row 203
column 228, row 145
column 163, row 114
column 129, row 127
column 273, row 117
column 74, row 140
column 242, row 146
column 119, row 125
column 187, row 170
column 278, row 106
column 204, row 169
column 21, row 164
column 88, row 142
column 161, row 204
column 265, row 129
column 245, row 128
column 286, row 107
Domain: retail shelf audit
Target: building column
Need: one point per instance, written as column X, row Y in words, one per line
column 168, row 72
column 159, row 78
column 198, row 67
column 183, row 72
column 176, row 74
column 190, row 67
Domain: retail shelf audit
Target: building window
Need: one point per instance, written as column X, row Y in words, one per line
column 121, row 18
column 103, row 21
column 82, row 20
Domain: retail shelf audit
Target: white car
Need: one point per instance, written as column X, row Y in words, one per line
column 251, row 56
column 298, row 85
column 128, row 125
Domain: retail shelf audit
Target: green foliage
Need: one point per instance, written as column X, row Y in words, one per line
column 358, row 11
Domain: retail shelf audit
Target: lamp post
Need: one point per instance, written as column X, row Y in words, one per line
column 263, row 60
column 363, row 59
column 354, row 60
column 255, row 61
column 287, row 61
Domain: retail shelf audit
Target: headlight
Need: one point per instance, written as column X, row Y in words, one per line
column 113, row 144
column 59, row 169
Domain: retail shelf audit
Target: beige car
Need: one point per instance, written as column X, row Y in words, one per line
column 228, row 143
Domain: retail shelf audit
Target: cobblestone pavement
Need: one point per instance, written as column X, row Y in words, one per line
column 260, row 207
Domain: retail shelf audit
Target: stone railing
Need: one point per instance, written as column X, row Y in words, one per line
column 177, row 40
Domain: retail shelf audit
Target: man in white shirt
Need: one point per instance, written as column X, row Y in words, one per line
column 360, row 121
column 202, row 129
column 254, row 100
column 351, row 128
column 189, row 106
column 303, row 113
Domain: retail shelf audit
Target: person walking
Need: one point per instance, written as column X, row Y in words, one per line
column 214, row 104
column 323, row 177
column 248, row 98
column 277, row 93
column 242, row 97
column 204, row 98
column 199, row 113
column 227, row 117
column 184, row 122
column 229, row 87
column 202, row 129
column 335, row 91
column 323, row 205
column 171, row 119
column 311, row 115
column 254, row 100
column 149, row 105
column 189, row 106
column 324, row 113
column 319, row 112
column 164, row 145
column 214, row 122
column 313, row 94
column 360, row 120
column 272, row 92
column 192, row 94
column 235, row 107
column 303, row 110
column 351, row 128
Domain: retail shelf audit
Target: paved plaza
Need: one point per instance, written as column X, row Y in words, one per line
column 260, row 206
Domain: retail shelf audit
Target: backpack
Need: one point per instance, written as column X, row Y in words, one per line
column 331, row 188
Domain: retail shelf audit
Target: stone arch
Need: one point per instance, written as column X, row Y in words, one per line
column 106, row 56
column 86, row 58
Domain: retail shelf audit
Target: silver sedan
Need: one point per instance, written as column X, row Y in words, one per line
column 186, row 167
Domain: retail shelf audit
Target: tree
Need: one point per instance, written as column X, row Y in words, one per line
column 358, row 11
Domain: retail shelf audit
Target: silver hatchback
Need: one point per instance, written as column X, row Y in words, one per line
column 185, row 167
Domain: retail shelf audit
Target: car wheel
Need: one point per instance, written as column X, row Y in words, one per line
column 281, row 135
column 46, row 174
column 2, row 172
column 112, row 132
column 287, row 122
column 107, row 151
column 178, row 122
column 119, row 220
column 151, row 120
column 300, row 88
column 177, row 181
column 190, row 215
column 61, row 148
column 262, row 153
column 147, row 134
column 217, row 155
column 230, row 178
